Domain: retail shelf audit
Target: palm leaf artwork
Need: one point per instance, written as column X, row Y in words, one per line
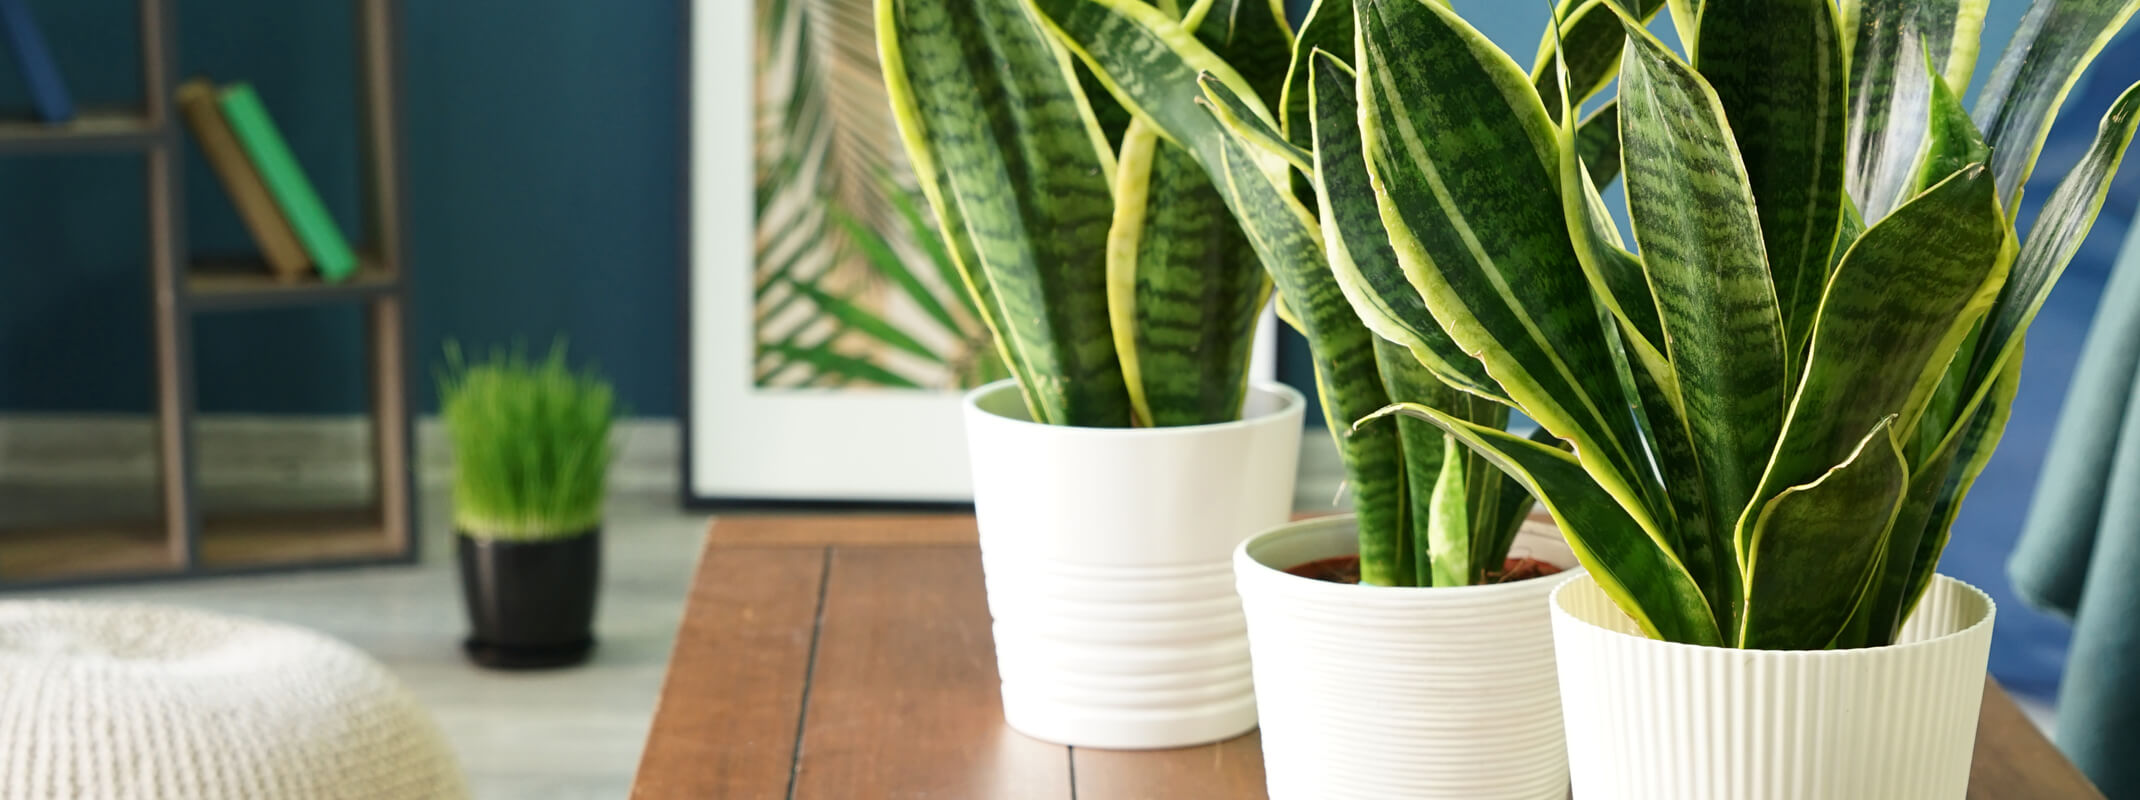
column 853, row 286
column 1761, row 414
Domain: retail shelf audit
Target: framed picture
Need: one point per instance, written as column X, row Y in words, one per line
column 828, row 336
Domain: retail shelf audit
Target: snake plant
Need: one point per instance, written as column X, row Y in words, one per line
column 1022, row 151
column 1120, row 290
column 1762, row 420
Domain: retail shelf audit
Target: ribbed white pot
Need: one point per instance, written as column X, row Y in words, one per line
column 1376, row 692
column 1106, row 552
column 1652, row 720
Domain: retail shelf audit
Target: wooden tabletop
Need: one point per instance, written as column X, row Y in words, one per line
column 849, row 658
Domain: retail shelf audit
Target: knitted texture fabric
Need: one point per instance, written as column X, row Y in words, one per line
column 119, row 702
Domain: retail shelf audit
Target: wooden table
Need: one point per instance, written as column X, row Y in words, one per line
column 849, row 658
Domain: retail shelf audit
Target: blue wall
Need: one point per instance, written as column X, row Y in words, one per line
column 541, row 154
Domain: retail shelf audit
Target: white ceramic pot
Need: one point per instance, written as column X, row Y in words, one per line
column 1376, row 692
column 1106, row 555
column 1652, row 720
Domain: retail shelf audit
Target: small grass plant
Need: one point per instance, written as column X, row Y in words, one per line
column 531, row 443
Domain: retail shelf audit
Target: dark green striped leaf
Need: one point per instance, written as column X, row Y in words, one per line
column 1777, row 68
column 2056, row 41
column 1469, row 167
column 1937, row 485
column 1358, row 246
column 1695, row 222
column 1327, row 29
column 1597, row 142
column 1643, row 578
column 1952, row 142
column 1814, row 547
column 1185, row 289
column 1895, row 46
column 1901, row 301
column 1016, row 170
column 1590, row 40
column 1150, row 63
column 1240, row 120
column 1252, row 36
column 1423, row 446
column 1290, row 245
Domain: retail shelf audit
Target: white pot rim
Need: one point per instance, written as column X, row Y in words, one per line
column 1290, row 401
column 1247, row 565
column 1990, row 613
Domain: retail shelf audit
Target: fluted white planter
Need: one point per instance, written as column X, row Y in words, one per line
column 1106, row 553
column 1652, row 720
column 1376, row 692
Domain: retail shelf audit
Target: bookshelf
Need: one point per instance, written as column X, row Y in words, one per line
column 183, row 540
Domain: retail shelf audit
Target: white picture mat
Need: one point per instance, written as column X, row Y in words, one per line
column 801, row 445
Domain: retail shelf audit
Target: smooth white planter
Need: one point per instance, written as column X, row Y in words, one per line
column 1652, row 720
column 1106, row 555
column 1376, row 692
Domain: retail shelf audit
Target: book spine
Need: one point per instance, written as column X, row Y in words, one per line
column 47, row 91
column 286, row 181
column 256, row 205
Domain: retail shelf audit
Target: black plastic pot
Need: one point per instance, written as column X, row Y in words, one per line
column 530, row 604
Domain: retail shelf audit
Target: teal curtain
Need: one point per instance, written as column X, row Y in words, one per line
column 2079, row 555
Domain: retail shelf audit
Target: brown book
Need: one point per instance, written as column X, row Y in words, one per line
column 278, row 241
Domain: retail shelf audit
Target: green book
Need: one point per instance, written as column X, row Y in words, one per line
column 286, row 182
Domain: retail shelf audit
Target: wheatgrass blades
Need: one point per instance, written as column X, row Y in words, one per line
column 530, row 442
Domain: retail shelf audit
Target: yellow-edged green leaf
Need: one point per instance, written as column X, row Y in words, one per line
column 1590, row 39
column 2054, row 44
column 1695, row 221
column 1253, row 37
column 1815, row 546
column 1468, row 166
column 1327, row 28
column 1150, row 63
column 1449, row 537
column 2060, row 228
column 1687, row 20
column 1423, row 449
column 1900, row 303
column 1185, row 288
column 1358, row 246
column 1937, row 485
column 1894, row 46
column 1022, row 198
column 1643, row 578
column 1240, row 120
column 1777, row 68
column 1289, row 242
column 1951, row 141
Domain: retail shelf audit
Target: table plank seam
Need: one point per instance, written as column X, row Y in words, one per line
column 817, row 632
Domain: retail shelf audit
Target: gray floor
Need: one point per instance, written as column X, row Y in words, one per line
column 551, row 736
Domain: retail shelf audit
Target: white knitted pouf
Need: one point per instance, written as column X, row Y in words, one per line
column 116, row 702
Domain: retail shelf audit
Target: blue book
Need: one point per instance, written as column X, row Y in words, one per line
column 35, row 60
